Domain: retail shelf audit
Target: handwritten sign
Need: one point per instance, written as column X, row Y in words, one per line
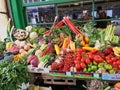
column 115, row 77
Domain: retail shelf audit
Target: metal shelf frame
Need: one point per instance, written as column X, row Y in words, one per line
column 18, row 8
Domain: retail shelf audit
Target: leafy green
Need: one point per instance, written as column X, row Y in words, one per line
column 13, row 74
column 2, row 46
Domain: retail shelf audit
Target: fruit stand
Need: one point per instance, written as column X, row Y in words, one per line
column 61, row 55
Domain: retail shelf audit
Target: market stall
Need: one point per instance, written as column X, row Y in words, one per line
column 65, row 55
column 61, row 55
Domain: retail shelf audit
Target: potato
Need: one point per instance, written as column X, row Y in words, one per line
column 26, row 47
column 21, row 50
column 23, row 54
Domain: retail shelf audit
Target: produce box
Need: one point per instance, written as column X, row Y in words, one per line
column 61, row 73
column 112, row 77
column 87, row 75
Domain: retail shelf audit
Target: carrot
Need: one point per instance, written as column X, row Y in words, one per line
column 86, row 38
column 83, row 43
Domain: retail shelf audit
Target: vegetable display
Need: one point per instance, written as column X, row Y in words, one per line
column 63, row 47
column 66, row 47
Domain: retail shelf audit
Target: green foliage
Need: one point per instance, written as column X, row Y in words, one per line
column 2, row 46
column 13, row 74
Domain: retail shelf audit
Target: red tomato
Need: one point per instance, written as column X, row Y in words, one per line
column 114, row 63
column 98, row 59
column 107, row 57
column 118, row 62
column 109, row 61
column 79, row 50
column 93, row 51
column 78, row 58
column 114, row 59
column 77, row 66
column 87, row 61
column 119, row 67
column 76, row 61
column 118, row 58
column 82, row 65
column 90, row 56
column 82, row 60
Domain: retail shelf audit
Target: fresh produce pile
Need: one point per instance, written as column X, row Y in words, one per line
column 65, row 47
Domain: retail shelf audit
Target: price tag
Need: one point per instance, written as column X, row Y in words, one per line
column 68, row 74
column 96, row 75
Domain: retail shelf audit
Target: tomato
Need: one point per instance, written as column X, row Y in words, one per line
column 114, row 63
column 90, row 56
column 82, row 65
column 107, row 57
column 119, row 67
column 118, row 62
column 79, row 50
column 102, row 55
column 98, row 58
column 109, row 61
column 118, row 58
column 76, row 61
column 82, row 60
column 77, row 66
column 114, row 59
column 93, row 51
column 87, row 61
column 78, row 58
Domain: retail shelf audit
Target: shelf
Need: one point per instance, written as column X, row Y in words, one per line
column 74, row 75
column 48, row 2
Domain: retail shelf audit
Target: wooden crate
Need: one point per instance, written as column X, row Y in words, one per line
column 58, row 80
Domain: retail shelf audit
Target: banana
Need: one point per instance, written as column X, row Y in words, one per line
column 117, row 48
column 9, row 45
column 117, row 54
column 116, row 51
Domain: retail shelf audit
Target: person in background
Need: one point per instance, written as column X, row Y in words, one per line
column 101, row 15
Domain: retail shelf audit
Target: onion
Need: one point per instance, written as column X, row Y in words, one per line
column 34, row 62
